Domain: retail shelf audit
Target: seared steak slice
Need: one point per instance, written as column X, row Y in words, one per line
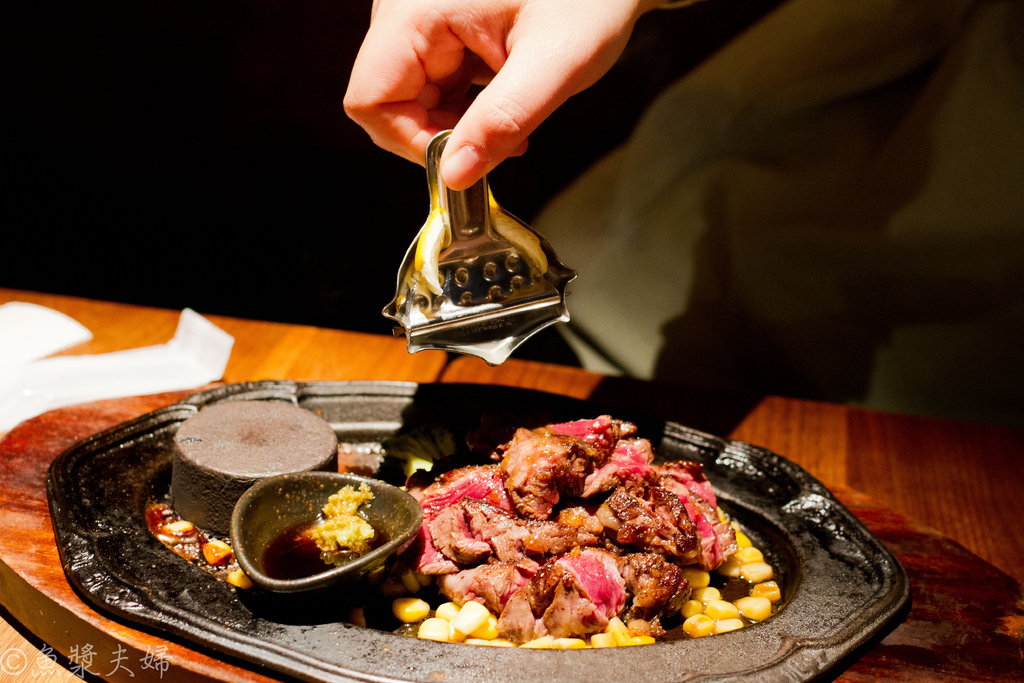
column 453, row 538
column 629, row 465
column 513, row 539
column 601, row 433
column 490, row 584
column 574, row 595
column 541, row 467
column 471, row 531
column 657, row 586
column 521, row 619
column 691, row 475
column 717, row 538
column 597, row 572
column 481, row 482
column 660, row 526
column 544, row 465
column 670, row 508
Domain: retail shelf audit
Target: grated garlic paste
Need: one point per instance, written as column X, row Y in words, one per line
column 343, row 530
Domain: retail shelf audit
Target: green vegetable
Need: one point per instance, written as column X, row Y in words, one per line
column 420, row 448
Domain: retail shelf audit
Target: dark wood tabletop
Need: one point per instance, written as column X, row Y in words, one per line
column 944, row 496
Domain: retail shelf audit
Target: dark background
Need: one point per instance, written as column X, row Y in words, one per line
column 197, row 153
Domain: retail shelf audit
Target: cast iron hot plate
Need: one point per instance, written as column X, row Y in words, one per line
column 842, row 586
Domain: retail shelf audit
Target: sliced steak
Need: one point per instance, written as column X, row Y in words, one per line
column 660, row 526
column 717, row 538
column 540, row 468
column 575, row 595
column 657, row 586
column 597, row 572
column 481, row 482
column 451, row 535
column 545, row 464
column 628, row 465
column 601, row 433
column 490, row 584
column 518, row 540
column 471, row 531
column 691, row 475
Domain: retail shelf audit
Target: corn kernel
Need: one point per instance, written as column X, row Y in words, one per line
column 487, row 630
column 742, row 540
column 446, row 611
column 217, row 552
column 357, row 616
column 497, row 642
column 768, row 589
column 238, row 578
column 602, row 640
column 641, row 640
column 731, row 567
column 471, row 616
column 409, row 610
column 391, row 588
column 754, row 608
column 410, row 582
column 619, row 630
column 756, row 572
column 726, row 625
column 750, row 554
column 434, row 629
column 691, row 608
column 698, row 626
column 696, row 578
column 720, row 609
column 542, row 643
column 178, row 527
column 706, row 594
column 424, row 579
column 568, row 643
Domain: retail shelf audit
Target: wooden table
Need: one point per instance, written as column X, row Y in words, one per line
column 946, row 497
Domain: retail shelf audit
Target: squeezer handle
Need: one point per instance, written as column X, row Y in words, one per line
column 468, row 210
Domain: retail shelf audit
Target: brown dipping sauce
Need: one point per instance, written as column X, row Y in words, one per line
column 187, row 544
column 293, row 554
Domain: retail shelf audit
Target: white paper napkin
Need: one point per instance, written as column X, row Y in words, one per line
column 29, row 332
column 30, row 385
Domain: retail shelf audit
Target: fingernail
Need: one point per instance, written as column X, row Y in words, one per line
column 463, row 168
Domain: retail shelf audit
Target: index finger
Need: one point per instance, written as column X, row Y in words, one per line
column 391, row 91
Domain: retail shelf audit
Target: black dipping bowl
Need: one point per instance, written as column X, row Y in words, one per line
column 278, row 503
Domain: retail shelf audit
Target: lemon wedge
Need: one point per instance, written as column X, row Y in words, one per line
column 524, row 240
column 435, row 235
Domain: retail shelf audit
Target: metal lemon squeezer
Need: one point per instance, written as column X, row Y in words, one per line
column 476, row 280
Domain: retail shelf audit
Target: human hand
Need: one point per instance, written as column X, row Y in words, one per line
column 419, row 60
